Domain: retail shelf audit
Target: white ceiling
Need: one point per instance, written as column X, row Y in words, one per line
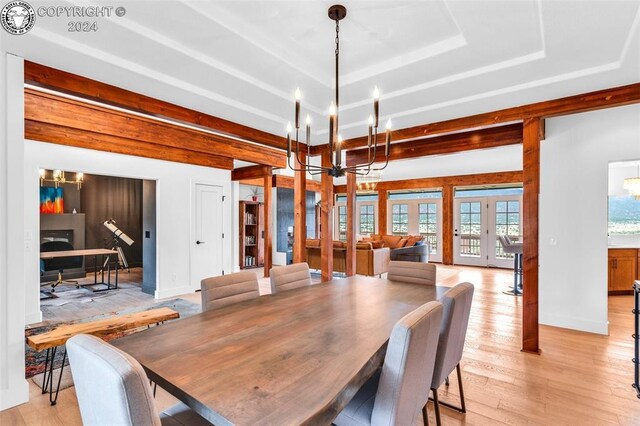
column 433, row 60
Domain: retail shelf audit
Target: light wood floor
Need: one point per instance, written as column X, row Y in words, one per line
column 579, row 379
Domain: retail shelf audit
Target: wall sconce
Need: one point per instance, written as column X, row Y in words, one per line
column 58, row 177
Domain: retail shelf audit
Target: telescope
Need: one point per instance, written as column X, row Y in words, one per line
column 118, row 235
column 117, row 232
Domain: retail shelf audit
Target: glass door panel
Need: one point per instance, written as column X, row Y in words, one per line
column 506, row 219
column 470, row 225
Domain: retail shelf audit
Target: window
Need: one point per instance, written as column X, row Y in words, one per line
column 342, row 223
column 461, row 193
column 428, row 224
column 400, row 219
column 470, row 228
column 507, row 223
column 367, row 220
column 624, row 215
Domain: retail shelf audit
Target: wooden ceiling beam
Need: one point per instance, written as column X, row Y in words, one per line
column 456, row 142
column 250, row 172
column 97, row 141
column 497, row 178
column 72, row 84
column 282, row 181
column 601, row 99
column 57, row 110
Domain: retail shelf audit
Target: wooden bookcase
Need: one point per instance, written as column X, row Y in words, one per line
column 251, row 234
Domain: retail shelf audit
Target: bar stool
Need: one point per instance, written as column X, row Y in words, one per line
column 511, row 247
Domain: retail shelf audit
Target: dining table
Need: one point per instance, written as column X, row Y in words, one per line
column 295, row 357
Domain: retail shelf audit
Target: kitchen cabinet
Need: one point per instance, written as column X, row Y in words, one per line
column 623, row 270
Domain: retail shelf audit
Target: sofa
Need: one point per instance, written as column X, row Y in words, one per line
column 369, row 261
column 413, row 248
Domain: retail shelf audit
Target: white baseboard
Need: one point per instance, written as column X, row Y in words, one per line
column 172, row 292
column 573, row 323
column 33, row 317
column 14, row 395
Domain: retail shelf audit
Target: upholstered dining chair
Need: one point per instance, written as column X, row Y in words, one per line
column 289, row 277
column 453, row 331
column 395, row 395
column 113, row 389
column 218, row 292
column 412, row 272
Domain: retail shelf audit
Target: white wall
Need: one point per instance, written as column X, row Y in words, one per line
column 13, row 386
column 173, row 206
column 573, row 213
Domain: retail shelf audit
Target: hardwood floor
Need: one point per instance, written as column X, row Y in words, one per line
column 578, row 379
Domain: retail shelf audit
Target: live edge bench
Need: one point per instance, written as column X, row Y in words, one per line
column 51, row 340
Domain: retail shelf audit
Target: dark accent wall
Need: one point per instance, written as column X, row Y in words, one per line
column 106, row 197
column 284, row 217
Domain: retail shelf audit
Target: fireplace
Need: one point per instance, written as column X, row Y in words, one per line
column 69, row 228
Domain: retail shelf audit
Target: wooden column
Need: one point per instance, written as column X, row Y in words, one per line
column 300, row 214
column 351, row 224
column 326, row 224
column 268, row 254
column 447, row 225
column 531, row 184
column 382, row 211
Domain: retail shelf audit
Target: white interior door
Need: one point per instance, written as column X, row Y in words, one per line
column 207, row 245
column 505, row 218
column 470, row 231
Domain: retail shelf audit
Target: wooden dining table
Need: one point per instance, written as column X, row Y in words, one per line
column 296, row 357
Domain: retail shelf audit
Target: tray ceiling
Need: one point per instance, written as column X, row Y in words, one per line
column 433, row 60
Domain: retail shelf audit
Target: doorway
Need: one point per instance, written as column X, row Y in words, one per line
column 207, row 254
column 478, row 221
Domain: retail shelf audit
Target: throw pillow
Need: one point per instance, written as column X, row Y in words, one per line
column 413, row 240
column 391, row 241
column 375, row 237
column 402, row 243
column 377, row 244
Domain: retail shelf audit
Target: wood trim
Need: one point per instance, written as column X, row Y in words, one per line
column 268, row 225
column 57, row 110
column 282, row 181
column 351, row 225
column 607, row 98
column 300, row 215
column 496, row 178
column 383, row 197
column 97, row 141
column 457, row 142
column 250, row 172
column 447, row 224
column 65, row 82
column 326, row 222
column 531, row 184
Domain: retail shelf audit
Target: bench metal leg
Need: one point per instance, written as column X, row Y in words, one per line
column 47, row 376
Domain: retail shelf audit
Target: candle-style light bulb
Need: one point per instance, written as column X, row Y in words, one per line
column 42, row 173
column 376, row 106
column 339, row 151
column 386, row 151
column 308, row 123
column 332, row 109
column 369, row 139
column 289, row 129
column 297, row 96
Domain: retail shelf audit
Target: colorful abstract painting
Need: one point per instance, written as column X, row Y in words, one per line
column 51, row 200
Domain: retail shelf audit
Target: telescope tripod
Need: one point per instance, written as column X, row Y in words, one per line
column 122, row 260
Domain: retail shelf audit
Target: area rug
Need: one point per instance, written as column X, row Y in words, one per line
column 34, row 361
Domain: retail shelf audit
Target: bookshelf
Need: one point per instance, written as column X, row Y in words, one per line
column 251, row 234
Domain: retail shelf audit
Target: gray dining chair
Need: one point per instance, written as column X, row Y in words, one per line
column 412, row 272
column 289, row 277
column 453, row 331
column 396, row 394
column 225, row 290
column 113, row 389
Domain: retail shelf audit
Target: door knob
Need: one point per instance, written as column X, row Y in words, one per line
column 199, row 242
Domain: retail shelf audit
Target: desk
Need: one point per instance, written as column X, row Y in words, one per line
column 91, row 252
column 296, row 357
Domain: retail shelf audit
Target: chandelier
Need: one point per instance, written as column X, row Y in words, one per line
column 633, row 185
column 58, row 177
column 337, row 13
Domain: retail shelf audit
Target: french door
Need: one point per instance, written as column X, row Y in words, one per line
column 477, row 224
